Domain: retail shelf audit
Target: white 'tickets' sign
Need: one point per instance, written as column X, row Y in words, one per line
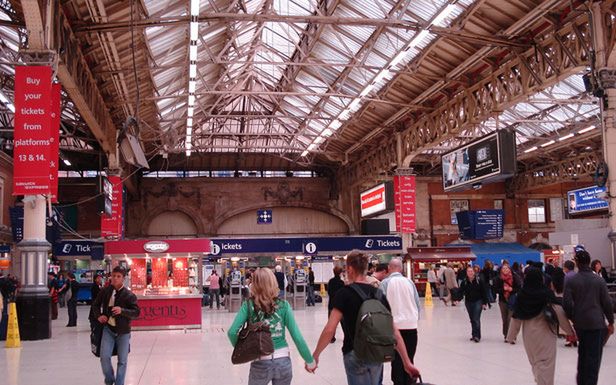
column 156, row 247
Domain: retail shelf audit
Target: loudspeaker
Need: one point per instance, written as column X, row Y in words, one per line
column 375, row 227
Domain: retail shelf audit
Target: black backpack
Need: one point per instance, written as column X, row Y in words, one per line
column 374, row 331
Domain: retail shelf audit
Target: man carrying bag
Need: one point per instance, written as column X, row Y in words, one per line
column 114, row 309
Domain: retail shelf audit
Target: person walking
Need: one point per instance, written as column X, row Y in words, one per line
column 114, row 308
column 540, row 335
column 95, row 290
column 451, row 283
column 333, row 286
column 265, row 305
column 506, row 286
column 310, row 299
column 346, row 307
column 569, row 269
column 53, row 294
column 488, row 275
column 432, row 280
column 214, row 281
column 70, row 294
column 61, row 288
column 475, row 296
column 598, row 269
column 281, row 279
column 403, row 299
column 588, row 304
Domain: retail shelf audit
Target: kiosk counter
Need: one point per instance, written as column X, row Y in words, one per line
column 166, row 276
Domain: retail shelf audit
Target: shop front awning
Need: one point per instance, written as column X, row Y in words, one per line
column 497, row 252
column 441, row 254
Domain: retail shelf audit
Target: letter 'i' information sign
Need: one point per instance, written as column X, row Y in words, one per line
column 31, row 154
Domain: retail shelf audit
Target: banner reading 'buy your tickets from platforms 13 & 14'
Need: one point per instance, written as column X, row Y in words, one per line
column 36, row 136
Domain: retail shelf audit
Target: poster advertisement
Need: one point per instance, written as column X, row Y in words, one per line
column 456, row 206
column 586, row 199
column 32, row 136
column 405, row 200
column 112, row 226
column 485, row 160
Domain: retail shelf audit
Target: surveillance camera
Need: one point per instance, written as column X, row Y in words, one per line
column 477, row 186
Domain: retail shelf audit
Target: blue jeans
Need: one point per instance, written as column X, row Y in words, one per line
column 310, row 299
column 281, row 294
column 474, row 309
column 590, row 352
column 279, row 371
column 108, row 342
column 362, row 373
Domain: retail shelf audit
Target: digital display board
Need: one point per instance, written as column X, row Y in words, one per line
column 481, row 224
column 586, row 199
column 377, row 200
column 489, row 159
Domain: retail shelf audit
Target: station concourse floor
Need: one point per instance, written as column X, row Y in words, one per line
column 445, row 355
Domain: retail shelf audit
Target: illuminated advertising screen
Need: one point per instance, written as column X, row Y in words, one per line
column 489, row 159
column 586, row 199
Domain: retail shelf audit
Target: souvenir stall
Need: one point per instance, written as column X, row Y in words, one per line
column 166, row 276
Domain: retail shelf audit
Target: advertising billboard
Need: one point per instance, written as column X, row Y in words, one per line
column 586, row 199
column 489, row 159
column 377, row 200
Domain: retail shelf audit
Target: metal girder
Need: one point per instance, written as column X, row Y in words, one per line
column 570, row 169
column 559, row 55
column 76, row 78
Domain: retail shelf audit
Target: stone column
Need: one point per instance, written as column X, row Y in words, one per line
column 605, row 68
column 33, row 302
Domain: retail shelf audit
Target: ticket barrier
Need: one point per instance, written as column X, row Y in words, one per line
column 235, row 292
column 300, row 284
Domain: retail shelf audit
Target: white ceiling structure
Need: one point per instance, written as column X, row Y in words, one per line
column 313, row 82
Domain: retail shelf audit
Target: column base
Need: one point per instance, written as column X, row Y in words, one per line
column 34, row 316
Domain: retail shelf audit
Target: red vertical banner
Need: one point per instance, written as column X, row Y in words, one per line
column 397, row 201
column 405, row 197
column 111, row 226
column 31, row 164
column 54, row 148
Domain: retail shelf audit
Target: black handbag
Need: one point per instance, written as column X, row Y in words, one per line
column 96, row 336
column 254, row 341
column 551, row 317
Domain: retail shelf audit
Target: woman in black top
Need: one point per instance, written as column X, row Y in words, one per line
column 476, row 299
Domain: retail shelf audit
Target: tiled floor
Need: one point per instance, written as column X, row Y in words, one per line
column 445, row 355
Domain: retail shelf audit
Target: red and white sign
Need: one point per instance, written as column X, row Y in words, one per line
column 111, row 226
column 156, row 247
column 32, row 136
column 404, row 196
column 176, row 246
column 165, row 312
column 374, row 200
column 54, row 148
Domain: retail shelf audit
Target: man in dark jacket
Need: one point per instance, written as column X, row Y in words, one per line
column 333, row 286
column 588, row 304
column 115, row 307
column 73, row 286
column 476, row 299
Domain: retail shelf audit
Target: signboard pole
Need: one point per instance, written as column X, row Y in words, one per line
column 405, row 205
column 32, row 170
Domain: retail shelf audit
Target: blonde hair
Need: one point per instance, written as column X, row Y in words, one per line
column 264, row 290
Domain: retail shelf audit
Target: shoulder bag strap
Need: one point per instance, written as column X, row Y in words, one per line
column 359, row 292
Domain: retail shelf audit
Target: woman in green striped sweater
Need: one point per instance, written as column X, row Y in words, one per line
column 265, row 305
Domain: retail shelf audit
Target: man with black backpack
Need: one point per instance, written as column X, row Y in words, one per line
column 370, row 337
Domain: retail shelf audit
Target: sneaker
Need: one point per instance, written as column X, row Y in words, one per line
column 476, row 339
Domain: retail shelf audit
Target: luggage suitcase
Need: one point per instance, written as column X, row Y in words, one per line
column 421, row 382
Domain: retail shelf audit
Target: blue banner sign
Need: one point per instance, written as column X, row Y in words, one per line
column 306, row 246
column 586, row 199
column 79, row 248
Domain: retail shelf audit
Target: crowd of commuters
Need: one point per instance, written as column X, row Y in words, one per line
column 543, row 302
